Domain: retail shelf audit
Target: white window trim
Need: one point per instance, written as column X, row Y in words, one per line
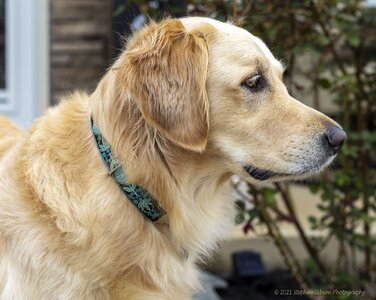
column 27, row 60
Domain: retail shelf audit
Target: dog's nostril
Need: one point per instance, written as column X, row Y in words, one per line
column 335, row 136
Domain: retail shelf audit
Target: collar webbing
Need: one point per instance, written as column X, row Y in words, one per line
column 137, row 195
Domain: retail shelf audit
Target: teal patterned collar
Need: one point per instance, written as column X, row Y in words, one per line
column 138, row 196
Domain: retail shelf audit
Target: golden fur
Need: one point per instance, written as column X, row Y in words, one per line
column 9, row 135
column 173, row 111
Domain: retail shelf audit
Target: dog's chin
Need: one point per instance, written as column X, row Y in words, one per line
column 261, row 174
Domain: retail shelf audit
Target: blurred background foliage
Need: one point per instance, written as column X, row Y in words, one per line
column 338, row 40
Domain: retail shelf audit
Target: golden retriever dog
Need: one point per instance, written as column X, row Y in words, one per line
column 187, row 104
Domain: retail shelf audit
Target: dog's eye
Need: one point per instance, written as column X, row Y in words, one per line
column 254, row 83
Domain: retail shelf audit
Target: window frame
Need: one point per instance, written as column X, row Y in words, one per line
column 27, row 47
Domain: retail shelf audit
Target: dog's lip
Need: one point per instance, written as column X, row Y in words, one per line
column 265, row 174
column 262, row 174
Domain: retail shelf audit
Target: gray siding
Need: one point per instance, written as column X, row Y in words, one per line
column 81, row 44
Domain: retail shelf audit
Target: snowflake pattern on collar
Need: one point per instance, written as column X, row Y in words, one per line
column 137, row 195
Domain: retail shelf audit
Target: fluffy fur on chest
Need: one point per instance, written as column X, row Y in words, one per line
column 73, row 234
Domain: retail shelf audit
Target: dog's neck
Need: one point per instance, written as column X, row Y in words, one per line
column 164, row 169
column 137, row 195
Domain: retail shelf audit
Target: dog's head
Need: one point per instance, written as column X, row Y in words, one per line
column 204, row 83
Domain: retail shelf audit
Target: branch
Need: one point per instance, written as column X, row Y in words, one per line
column 286, row 197
column 284, row 249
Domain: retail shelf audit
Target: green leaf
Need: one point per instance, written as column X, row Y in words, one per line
column 240, row 215
column 252, row 213
column 240, row 205
column 239, row 218
column 311, row 265
column 366, row 218
column 313, row 221
column 350, row 150
column 354, row 40
column 314, row 188
column 324, row 83
column 268, row 195
column 322, row 207
column 323, row 40
column 341, row 178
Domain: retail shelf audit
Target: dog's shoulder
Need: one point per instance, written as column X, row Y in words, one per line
column 9, row 135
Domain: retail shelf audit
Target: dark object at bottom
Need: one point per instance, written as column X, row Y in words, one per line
column 276, row 285
column 247, row 264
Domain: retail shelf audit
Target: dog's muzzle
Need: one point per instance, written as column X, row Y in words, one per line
column 331, row 141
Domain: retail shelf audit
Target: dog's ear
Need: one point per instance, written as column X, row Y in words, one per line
column 166, row 69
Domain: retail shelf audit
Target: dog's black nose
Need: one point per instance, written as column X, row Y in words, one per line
column 335, row 136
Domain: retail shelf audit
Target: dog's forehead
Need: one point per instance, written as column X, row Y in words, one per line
column 235, row 32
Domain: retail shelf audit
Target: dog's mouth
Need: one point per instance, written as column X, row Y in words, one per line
column 262, row 174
